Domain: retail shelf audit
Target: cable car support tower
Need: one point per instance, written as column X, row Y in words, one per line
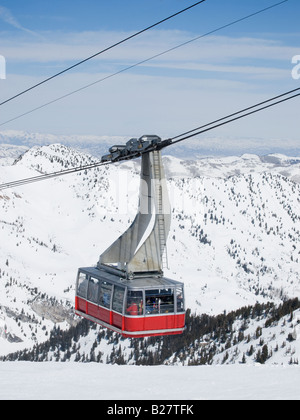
column 141, row 250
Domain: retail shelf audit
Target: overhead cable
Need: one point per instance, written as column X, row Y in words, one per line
column 142, row 62
column 238, row 113
column 182, row 137
column 233, row 119
column 101, row 52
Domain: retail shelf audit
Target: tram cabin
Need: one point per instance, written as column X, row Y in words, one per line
column 142, row 307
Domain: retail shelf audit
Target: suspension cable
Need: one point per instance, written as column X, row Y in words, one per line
column 182, row 137
column 237, row 113
column 141, row 63
column 233, row 119
column 101, row 52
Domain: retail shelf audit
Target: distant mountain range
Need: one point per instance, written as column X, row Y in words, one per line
column 194, row 148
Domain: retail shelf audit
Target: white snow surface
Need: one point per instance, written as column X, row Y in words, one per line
column 92, row 381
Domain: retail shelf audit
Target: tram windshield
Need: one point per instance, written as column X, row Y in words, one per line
column 159, row 301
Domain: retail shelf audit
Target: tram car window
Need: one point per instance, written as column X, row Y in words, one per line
column 135, row 303
column 180, row 299
column 93, row 290
column 118, row 299
column 83, row 282
column 159, row 301
column 105, row 294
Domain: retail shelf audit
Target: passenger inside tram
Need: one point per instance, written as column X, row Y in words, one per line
column 134, row 303
column 159, row 301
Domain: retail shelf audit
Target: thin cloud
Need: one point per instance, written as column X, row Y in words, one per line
column 7, row 16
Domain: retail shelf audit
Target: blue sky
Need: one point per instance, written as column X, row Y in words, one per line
column 205, row 80
column 127, row 15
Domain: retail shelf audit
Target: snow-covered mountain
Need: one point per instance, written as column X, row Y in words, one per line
column 230, row 166
column 96, row 145
column 9, row 153
column 234, row 238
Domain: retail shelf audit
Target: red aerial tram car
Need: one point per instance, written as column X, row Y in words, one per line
column 134, row 308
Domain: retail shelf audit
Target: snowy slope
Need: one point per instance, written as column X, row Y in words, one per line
column 234, row 238
column 162, row 384
column 8, row 153
column 235, row 166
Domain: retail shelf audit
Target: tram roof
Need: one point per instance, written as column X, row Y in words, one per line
column 145, row 282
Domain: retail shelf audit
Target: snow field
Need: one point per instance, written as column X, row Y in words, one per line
column 72, row 381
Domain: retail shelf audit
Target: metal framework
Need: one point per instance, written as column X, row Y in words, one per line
column 142, row 248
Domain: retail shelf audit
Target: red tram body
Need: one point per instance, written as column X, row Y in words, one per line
column 131, row 307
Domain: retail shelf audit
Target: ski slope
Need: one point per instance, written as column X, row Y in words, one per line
column 80, row 381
